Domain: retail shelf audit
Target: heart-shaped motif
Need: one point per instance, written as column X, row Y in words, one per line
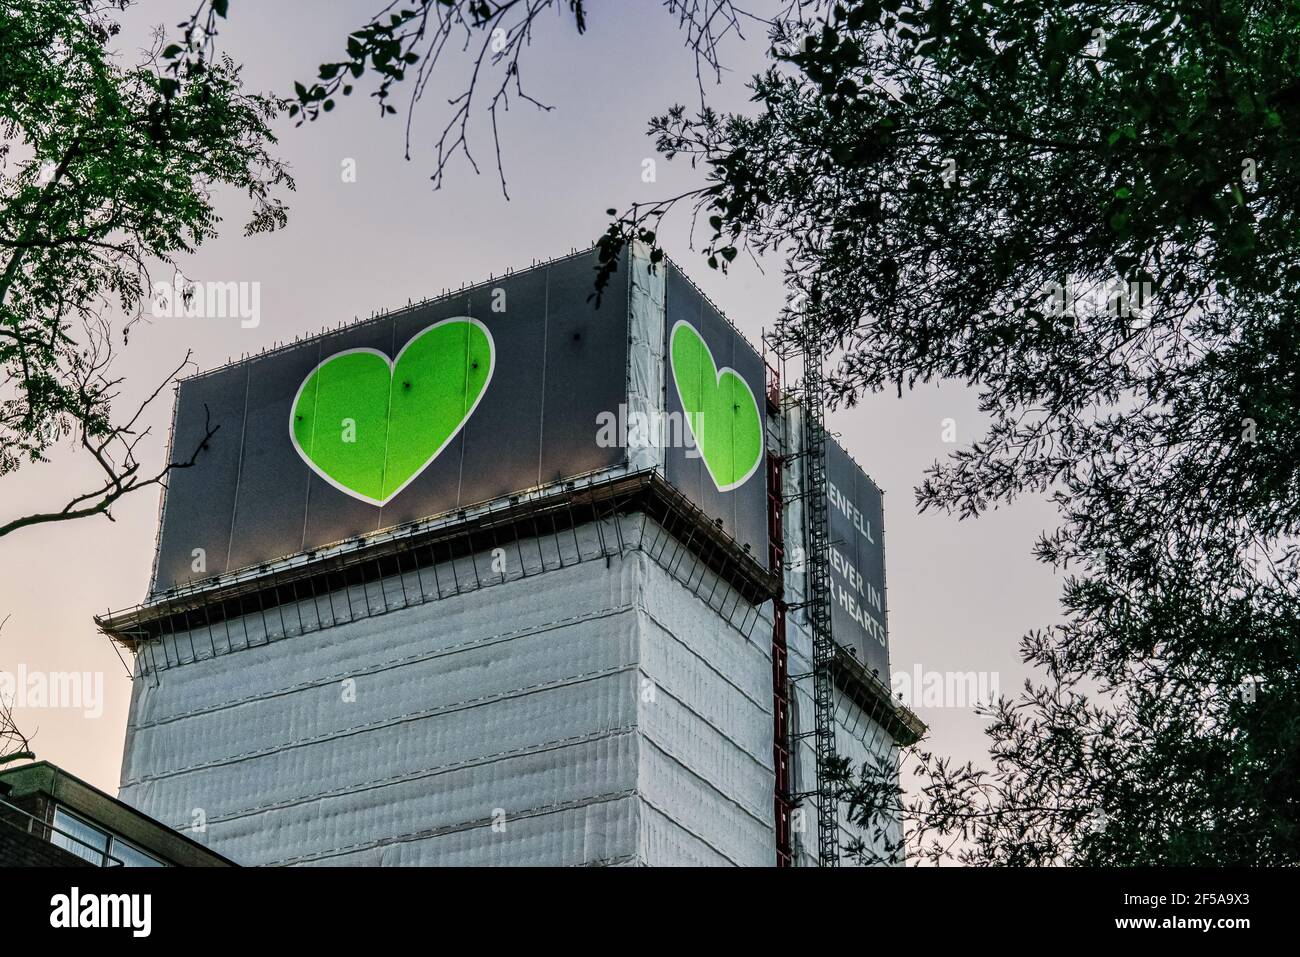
column 721, row 411
column 369, row 425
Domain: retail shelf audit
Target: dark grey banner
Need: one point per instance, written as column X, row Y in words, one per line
column 486, row 392
column 856, row 512
column 716, row 415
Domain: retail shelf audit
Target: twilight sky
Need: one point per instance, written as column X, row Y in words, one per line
column 960, row 593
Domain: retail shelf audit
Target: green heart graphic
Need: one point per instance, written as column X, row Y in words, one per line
column 368, row 425
column 720, row 409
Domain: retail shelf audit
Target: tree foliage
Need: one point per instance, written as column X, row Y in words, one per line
column 106, row 172
column 1086, row 211
column 411, row 41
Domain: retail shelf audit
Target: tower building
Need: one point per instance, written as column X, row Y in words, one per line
column 511, row 576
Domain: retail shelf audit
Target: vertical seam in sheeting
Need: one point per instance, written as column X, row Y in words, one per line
column 306, row 505
column 388, row 420
column 546, row 337
column 664, row 373
column 239, row 471
column 630, row 264
column 734, row 517
column 459, row 435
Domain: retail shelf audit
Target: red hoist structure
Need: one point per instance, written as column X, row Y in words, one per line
column 782, row 801
column 811, row 457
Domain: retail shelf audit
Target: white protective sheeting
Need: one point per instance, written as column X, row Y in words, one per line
column 857, row 738
column 600, row 713
column 794, row 526
column 588, row 712
column 514, row 704
column 645, row 363
column 706, row 757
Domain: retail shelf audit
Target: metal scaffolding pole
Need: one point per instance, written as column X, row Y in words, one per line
column 781, row 763
column 819, row 600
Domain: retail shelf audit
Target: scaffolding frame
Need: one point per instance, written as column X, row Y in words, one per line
column 783, row 803
column 834, row 667
column 444, row 560
column 810, row 456
column 817, row 563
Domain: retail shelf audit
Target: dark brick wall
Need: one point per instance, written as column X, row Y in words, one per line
column 20, row 849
